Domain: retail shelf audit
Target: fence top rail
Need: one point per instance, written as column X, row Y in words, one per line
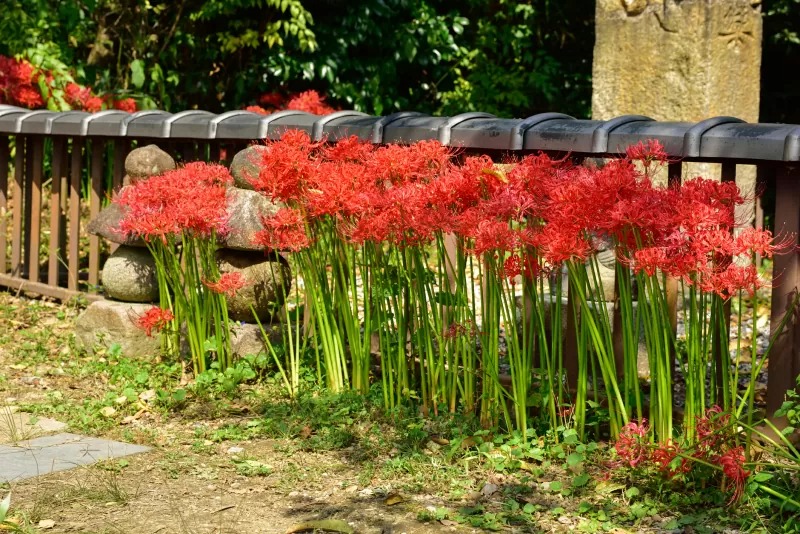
column 717, row 138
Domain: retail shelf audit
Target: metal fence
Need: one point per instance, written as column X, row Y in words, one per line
column 82, row 157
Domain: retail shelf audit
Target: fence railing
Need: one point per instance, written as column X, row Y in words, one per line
column 81, row 155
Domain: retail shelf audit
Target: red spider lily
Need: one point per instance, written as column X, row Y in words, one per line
column 664, row 457
column 735, row 278
column 512, row 267
column 228, row 284
column 732, row 462
column 82, row 98
column 456, row 330
column 350, row 149
column 710, row 430
column 18, row 83
column 494, row 236
column 287, row 167
column 25, row 96
column 286, row 230
column 188, row 199
column 631, row 446
column 421, row 161
column 125, row 104
column 310, row 102
column 756, row 241
column 257, row 109
column 154, row 320
column 647, row 152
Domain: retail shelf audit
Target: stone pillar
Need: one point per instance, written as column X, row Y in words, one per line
column 679, row 60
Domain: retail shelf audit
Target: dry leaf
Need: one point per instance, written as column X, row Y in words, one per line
column 393, row 498
column 306, row 432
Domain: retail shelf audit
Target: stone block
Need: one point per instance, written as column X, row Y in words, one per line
column 268, row 282
column 246, row 165
column 246, row 339
column 245, row 211
column 129, row 275
column 60, row 452
column 147, row 161
column 105, row 322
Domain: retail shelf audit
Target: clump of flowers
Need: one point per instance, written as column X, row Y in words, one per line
column 716, row 448
column 179, row 215
column 24, row 85
column 356, row 211
column 309, row 101
column 154, row 320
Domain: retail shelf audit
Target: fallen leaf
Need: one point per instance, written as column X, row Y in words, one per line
column 108, row 411
column 330, row 525
column 604, row 487
column 393, row 498
column 306, row 432
column 46, row 523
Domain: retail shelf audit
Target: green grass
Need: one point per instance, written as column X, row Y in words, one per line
column 479, row 478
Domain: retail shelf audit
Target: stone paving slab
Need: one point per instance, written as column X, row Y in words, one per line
column 48, row 454
column 18, row 426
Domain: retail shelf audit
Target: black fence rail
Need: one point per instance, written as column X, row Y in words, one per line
column 81, row 155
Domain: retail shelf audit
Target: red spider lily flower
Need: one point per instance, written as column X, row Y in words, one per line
column 228, row 284
column 257, row 109
column 494, row 236
column 310, row 102
column 188, row 199
column 512, row 267
column 732, row 462
column 82, row 98
column 154, row 320
column 125, row 104
column 531, row 270
column 351, row 150
column 755, row 241
column 631, row 446
column 456, row 330
column 647, row 152
column 287, row 167
column 709, row 429
column 26, row 96
column 286, row 230
column 664, row 457
column 734, row 279
column 397, row 164
column 18, row 83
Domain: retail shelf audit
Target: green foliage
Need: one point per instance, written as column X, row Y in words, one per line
column 438, row 56
column 174, row 55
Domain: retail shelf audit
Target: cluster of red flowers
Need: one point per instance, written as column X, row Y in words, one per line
column 18, row 83
column 540, row 211
column 228, row 284
column 715, row 445
column 19, row 86
column 154, row 320
column 188, row 199
column 309, row 101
